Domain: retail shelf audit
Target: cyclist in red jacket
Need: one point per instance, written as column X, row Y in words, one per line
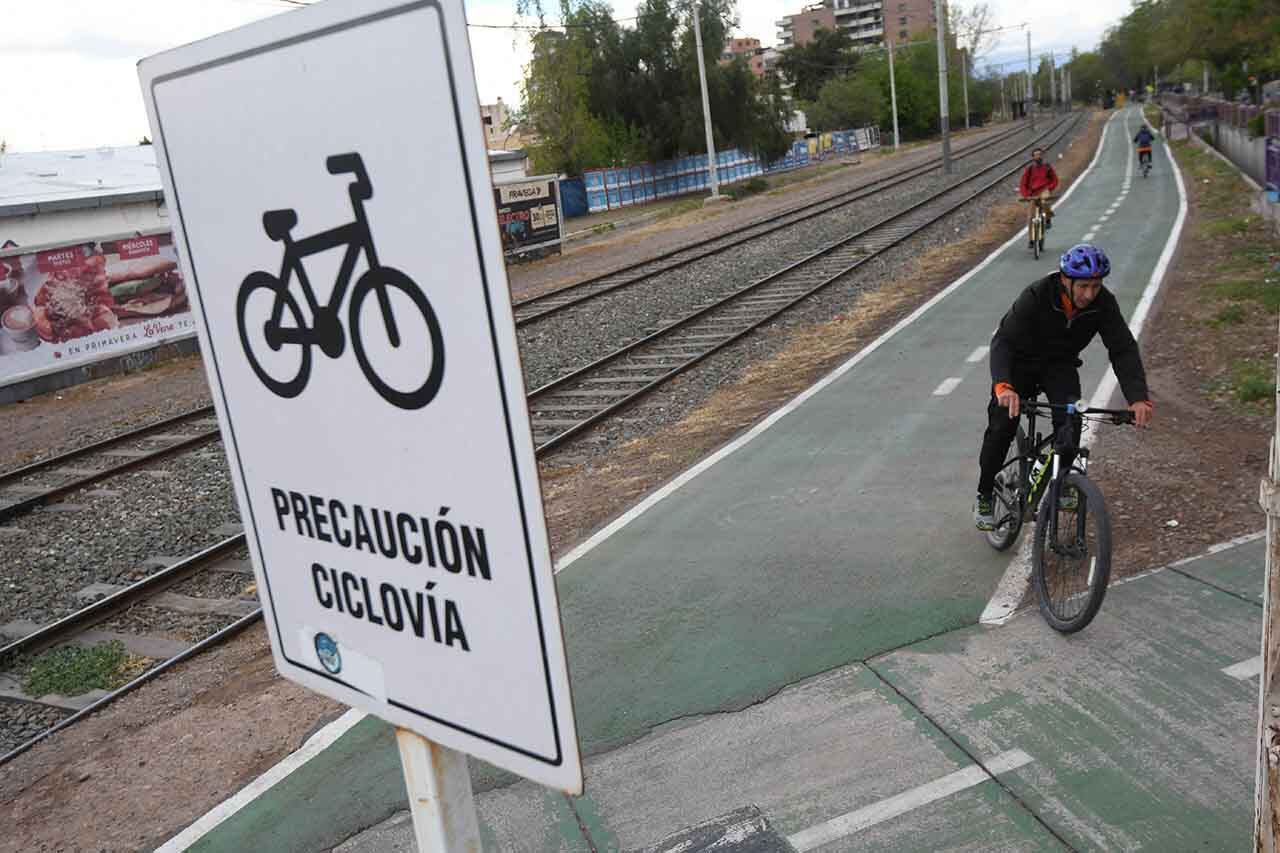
column 1038, row 179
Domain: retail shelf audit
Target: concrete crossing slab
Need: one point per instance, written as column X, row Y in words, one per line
column 1141, row 740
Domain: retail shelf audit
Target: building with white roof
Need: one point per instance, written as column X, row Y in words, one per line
column 52, row 197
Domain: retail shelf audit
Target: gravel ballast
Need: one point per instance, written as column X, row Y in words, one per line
column 21, row 721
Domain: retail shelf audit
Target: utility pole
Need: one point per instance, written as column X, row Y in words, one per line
column 706, row 108
column 1003, row 109
column 942, row 85
column 1053, row 84
column 1205, row 92
column 964, row 82
column 1030, row 113
column 893, row 97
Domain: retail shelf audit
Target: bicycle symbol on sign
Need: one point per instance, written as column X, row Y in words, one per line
column 327, row 331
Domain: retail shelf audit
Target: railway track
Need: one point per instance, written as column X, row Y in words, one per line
column 589, row 396
column 155, row 590
column 50, row 480
column 567, row 406
column 540, row 307
column 47, row 480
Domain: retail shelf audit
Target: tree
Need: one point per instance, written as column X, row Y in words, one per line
column 599, row 94
column 847, row 102
column 973, row 28
column 809, row 66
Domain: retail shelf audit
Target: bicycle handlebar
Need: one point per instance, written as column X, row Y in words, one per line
column 1117, row 416
column 341, row 164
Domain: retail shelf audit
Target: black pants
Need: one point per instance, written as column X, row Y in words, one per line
column 1060, row 382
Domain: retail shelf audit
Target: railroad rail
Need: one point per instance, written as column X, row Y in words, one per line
column 23, row 489
column 545, row 305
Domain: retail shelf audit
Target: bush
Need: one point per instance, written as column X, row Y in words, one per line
column 1258, row 125
column 72, row 670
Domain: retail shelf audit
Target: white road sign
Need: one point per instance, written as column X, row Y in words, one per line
column 329, row 182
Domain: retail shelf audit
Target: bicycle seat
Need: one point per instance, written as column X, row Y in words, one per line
column 278, row 223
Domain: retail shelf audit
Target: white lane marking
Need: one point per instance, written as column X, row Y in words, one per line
column 1101, row 219
column 1231, row 543
column 316, row 744
column 1211, row 550
column 855, row 821
column 1001, row 608
column 946, row 386
column 1246, row 669
column 1086, row 238
column 1113, row 208
column 979, row 354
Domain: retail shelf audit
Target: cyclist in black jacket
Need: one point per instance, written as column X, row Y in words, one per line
column 1037, row 348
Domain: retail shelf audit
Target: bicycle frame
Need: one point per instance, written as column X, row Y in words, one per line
column 327, row 330
column 1029, row 493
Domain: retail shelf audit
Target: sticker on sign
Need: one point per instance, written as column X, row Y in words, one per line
column 330, row 183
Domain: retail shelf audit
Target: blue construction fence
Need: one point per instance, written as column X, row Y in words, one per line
column 608, row 189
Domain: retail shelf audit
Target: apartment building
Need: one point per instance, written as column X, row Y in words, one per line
column 869, row 23
column 906, row 18
column 800, row 27
column 750, row 49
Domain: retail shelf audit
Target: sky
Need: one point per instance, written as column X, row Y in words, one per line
column 70, row 65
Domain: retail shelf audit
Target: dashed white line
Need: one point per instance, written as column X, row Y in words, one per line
column 1246, row 669
column 946, row 386
column 979, row 354
column 855, row 821
column 1086, row 238
column 1103, row 218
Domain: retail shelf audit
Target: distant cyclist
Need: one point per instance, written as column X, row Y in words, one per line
column 1143, row 140
column 1039, row 180
column 1037, row 348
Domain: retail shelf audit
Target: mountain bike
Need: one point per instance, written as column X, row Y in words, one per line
column 406, row 387
column 1071, row 554
column 1036, row 227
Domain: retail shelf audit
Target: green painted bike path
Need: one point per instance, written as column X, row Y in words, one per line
column 1134, row 735
column 838, row 534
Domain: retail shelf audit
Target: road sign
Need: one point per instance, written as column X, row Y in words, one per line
column 327, row 174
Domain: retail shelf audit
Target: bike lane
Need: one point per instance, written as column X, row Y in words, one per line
column 840, row 533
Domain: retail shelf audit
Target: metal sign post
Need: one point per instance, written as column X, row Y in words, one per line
column 440, row 801
column 378, row 438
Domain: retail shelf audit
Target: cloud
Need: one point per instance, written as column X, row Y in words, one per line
column 87, row 45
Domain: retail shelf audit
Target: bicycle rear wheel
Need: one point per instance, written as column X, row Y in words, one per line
column 1071, row 568
column 1006, row 498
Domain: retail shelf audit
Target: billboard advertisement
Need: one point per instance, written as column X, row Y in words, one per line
column 528, row 215
column 64, row 306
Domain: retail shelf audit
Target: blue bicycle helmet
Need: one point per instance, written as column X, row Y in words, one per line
column 1084, row 260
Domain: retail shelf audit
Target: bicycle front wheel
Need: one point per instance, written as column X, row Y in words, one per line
column 1037, row 239
column 1071, row 561
column 400, row 346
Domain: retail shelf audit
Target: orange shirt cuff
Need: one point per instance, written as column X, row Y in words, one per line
column 1001, row 387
